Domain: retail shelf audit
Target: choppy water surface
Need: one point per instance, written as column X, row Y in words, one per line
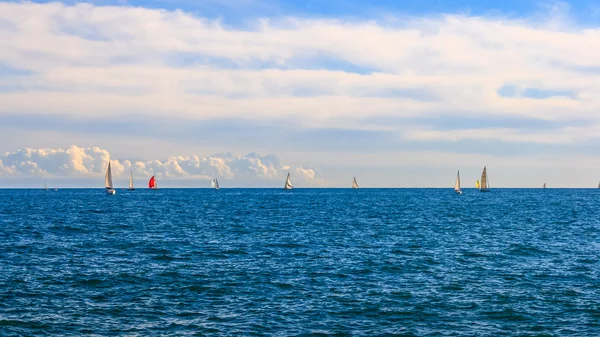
column 406, row 262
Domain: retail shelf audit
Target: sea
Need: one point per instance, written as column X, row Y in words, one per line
column 307, row 262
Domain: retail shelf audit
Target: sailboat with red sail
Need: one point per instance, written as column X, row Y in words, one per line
column 152, row 184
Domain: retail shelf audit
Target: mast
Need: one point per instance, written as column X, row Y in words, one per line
column 130, row 180
column 354, row 184
column 288, row 183
column 108, row 178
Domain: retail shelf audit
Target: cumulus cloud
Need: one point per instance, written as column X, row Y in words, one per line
column 93, row 61
column 77, row 162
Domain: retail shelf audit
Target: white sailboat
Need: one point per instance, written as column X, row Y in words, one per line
column 45, row 186
column 215, row 184
column 485, row 185
column 108, row 183
column 131, row 188
column 457, row 184
column 544, row 185
column 288, row 183
column 354, row 184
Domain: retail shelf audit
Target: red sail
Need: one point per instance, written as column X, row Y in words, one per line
column 152, row 183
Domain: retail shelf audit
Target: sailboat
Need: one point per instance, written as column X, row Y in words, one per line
column 457, row 184
column 485, row 186
column 152, row 184
column 45, row 186
column 215, row 184
column 56, row 189
column 354, row 184
column 544, row 185
column 131, row 188
column 288, row 183
column 477, row 184
column 108, row 183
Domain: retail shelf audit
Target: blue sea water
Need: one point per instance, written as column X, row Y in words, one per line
column 308, row 262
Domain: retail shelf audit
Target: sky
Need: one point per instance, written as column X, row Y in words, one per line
column 394, row 93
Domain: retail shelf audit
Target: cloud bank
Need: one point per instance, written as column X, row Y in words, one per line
column 77, row 162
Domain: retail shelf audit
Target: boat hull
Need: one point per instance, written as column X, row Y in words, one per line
column 111, row 191
column 458, row 192
column 484, row 190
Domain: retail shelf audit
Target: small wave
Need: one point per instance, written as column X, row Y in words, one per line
column 22, row 324
column 163, row 258
column 506, row 315
column 522, row 250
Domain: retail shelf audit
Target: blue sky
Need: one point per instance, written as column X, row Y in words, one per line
column 189, row 90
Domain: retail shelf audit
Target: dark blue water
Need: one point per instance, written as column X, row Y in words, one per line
column 237, row 262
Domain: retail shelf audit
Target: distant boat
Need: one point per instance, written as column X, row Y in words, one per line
column 477, row 184
column 56, row 189
column 152, row 184
column 215, row 184
column 45, row 186
column 131, row 188
column 354, row 184
column 108, row 183
column 544, row 185
column 485, row 186
column 457, row 184
column 288, row 183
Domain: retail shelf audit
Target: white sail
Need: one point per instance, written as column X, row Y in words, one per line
column 457, row 183
column 215, row 184
column 108, row 178
column 130, row 180
column 354, row 184
column 288, row 183
column 45, row 186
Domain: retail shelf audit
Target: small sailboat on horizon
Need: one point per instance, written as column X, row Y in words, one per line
column 354, row 184
column 485, row 185
column 288, row 183
column 131, row 188
column 215, row 184
column 108, row 183
column 152, row 183
column 544, row 185
column 45, row 186
column 457, row 189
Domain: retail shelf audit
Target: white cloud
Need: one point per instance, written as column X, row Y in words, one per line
column 105, row 62
column 77, row 162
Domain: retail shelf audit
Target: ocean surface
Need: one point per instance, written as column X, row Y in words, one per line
column 308, row 262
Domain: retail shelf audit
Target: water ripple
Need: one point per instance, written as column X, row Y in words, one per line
column 325, row 262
